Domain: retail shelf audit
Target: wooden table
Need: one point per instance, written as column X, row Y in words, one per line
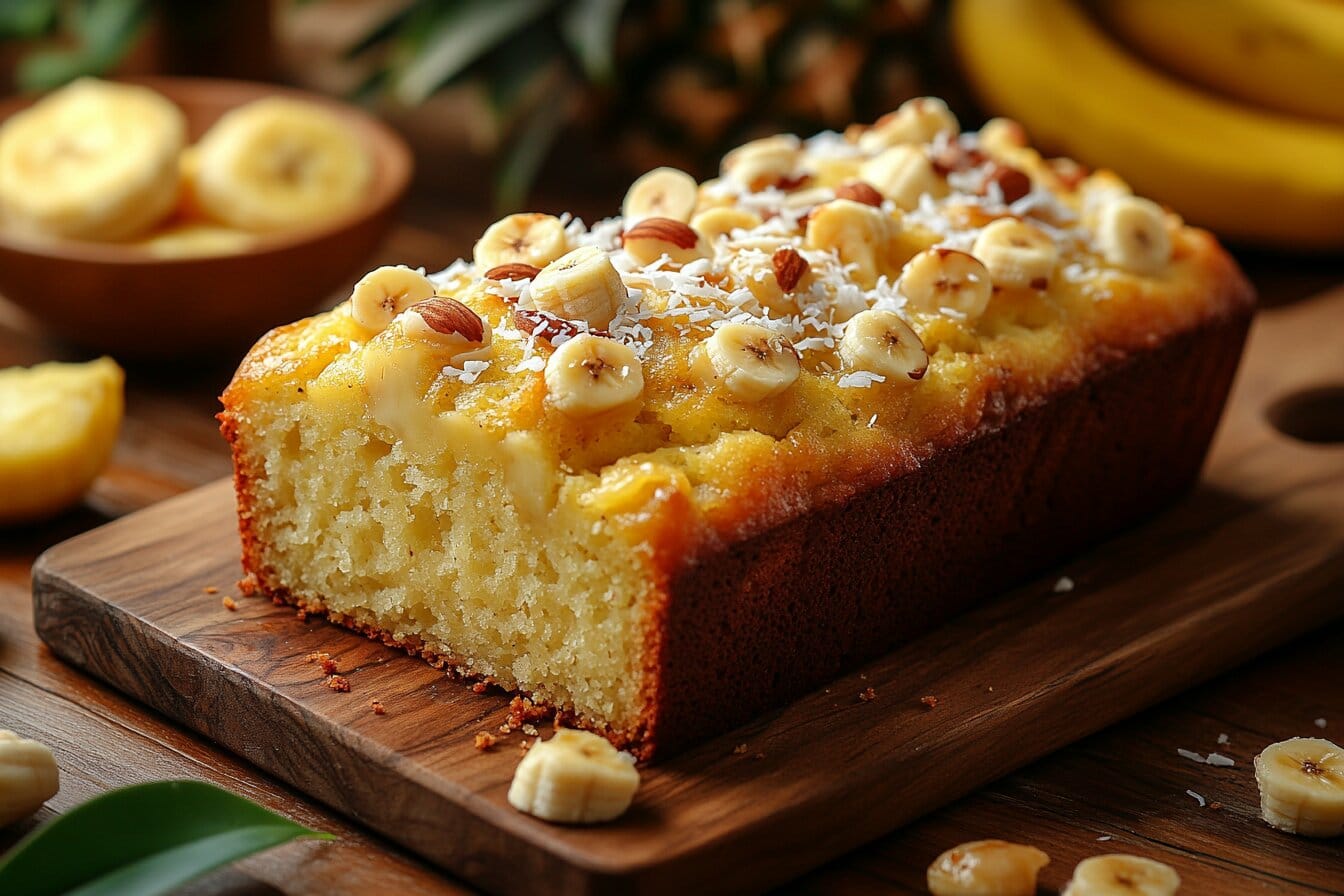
column 1122, row 790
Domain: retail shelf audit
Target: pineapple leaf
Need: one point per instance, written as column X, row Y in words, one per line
column 463, row 33
column 531, row 145
column 589, row 28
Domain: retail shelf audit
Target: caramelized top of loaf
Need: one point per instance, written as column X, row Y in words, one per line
column 825, row 315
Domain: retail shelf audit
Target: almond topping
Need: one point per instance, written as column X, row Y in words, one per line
column 548, row 326
column 448, row 316
column 789, row 267
column 955, row 157
column 1014, row 183
column 859, row 191
column 664, row 230
column 512, row 271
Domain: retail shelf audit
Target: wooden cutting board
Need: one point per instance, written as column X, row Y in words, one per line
column 1254, row 557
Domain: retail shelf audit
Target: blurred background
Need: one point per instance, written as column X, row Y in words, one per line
column 1230, row 111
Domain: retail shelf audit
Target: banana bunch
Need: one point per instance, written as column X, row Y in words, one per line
column 109, row 162
column 1237, row 122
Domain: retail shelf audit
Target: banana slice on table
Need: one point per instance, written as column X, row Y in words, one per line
column 662, row 193
column 903, row 174
column 279, row 164
column 1016, row 253
column 92, row 161
column 750, row 361
column 575, row 777
column 1301, row 784
column 58, row 426
column 28, row 777
column 582, row 285
column 527, row 238
column 385, row 292
column 1132, row 234
column 1121, row 875
column 878, row 341
column 986, row 868
column 590, row 374
column 945, row 278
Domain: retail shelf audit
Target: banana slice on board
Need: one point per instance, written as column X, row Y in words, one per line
column 575, row 777
column 92, row 161
column 28, row 777
column 1301, row 784
column 280, row 164
column 986, row 868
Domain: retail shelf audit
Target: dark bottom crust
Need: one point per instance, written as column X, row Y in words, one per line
column 778, row 615
column 773, row 617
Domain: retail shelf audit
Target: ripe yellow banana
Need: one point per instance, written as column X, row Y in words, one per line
column 278, row 163
column 1249, row 175
column 1281, row 54
column 92, row 161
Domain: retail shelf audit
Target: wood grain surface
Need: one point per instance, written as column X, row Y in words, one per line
column 1254, row 557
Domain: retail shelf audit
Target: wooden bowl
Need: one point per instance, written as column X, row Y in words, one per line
column 125, row 300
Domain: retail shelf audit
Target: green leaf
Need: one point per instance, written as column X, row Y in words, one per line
column 464, row 33
column 26, row 19
column 147, row 839
column 106, row 29
column 589, row 28
column 523, row 159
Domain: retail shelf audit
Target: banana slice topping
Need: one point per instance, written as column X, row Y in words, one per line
column 986, row 868
column 1122, row 875
column 879, row 341
column 750, row 361
column 581, row 285
column 858, row 233
column 385, row 292
column 590, row 374
column 763, row 163
column 903, row 174
column 714, row 223
column 1016, row 253
column 662, row 193
column 1132, row 234
column 1301, row 784
column 938, row 279
column 575, row 777
column 916, row 121
column 526, row 238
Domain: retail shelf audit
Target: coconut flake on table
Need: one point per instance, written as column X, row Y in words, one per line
column 1223, row 740
column 1191, row 755
column 1320, row 723
column 1220, row 760
column 1197, row 798
column 1063, row 585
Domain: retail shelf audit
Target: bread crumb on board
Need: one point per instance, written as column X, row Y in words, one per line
column 929, row 701
column 210, row 589
column 229, row 603
column 484, row 740
column 377, row 707
column 868, row 695
column 339, row 683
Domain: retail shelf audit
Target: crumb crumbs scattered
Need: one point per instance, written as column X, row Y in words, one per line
column 1197, row 798
column 229, row 603
column 317, row 656
column 1063, row 585
column 530, row 730
column 480, row 687
column 1103, row 838
column 991, row 689
column 1224, row 740
column 484, row 740
column 302, row 614
column 759, row 756
column 377, row 707
column 929, row 702
column 247, row 586
column 339, row 683
column 1320, row 723
column 506, row 728
column 328, row 666
column 1215, row 805
column 863, row 677
column 867, row 695
column 210, row 589
column 525, row 745
column 740, row 750
column 523, row 710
